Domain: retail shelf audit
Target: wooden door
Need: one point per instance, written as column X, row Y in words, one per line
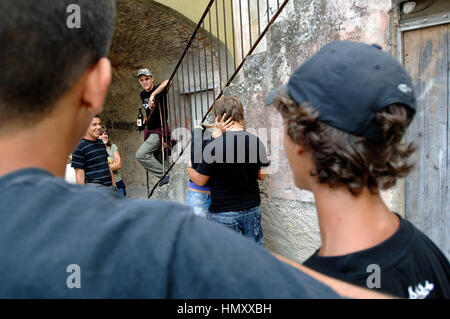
column 426, row 57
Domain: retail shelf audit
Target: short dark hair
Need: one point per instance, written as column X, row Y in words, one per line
column 41, row 57
column 341, row 158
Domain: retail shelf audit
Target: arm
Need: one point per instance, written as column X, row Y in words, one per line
column 117, row 164
column 342, row 288
column 262, row 174
column 79, row 176
column 112, row 178
column 158, row 90
column 196, row 177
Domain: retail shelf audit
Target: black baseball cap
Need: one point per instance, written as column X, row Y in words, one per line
column 348, row 83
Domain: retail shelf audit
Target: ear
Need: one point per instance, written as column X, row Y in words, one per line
column 98, row 78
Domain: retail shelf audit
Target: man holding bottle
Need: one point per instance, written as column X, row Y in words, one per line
column 149, row 154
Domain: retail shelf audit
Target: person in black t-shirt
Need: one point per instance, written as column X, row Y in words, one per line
column 154, row 102
column 345, row 112
column 199, row 197
column 232, row 164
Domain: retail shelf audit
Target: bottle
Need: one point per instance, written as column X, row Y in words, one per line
column 139, row 122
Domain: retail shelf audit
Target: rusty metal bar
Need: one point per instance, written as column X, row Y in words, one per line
column 200, row 76
column 259, row 23
column 182, row 93
column 233, row 35
column 180, row 105
column 194, row 94
column 218, row 46
column 242, row 36
column 212, row 60
column 206, row 73
column 189, row 89
column 249, row 23
column 226, row 41
column 175, row 115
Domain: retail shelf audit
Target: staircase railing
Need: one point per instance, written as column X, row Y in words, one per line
column 212, row 59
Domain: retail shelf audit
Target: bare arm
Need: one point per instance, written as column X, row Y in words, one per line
column 117, row 164
column 262, row 174
column 196, row 177
column 112, row 177
column 159, row 89
column 342, row 288
column 79, row 176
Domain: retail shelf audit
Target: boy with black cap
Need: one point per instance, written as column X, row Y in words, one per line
column 345, row 111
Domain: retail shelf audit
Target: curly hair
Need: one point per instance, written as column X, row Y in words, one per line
column 341, row 158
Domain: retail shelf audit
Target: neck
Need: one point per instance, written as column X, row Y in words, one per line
column 151, row 87
column 236, row 127
column 34, row 148
column 351, row 223
column 48, row 143
column 90, row 137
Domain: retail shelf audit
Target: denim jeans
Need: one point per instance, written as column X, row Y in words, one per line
column 247, row 222
column 200, row 202
column 121, row 187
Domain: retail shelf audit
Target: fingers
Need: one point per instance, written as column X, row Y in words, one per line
column 223, row 117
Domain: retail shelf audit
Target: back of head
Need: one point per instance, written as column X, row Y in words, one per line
column 43, row 54
column 232, row 106
column 350, row 105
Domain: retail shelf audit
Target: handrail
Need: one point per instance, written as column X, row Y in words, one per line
column 210, row 67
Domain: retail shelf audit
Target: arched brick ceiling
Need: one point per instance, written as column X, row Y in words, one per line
column 146, row 29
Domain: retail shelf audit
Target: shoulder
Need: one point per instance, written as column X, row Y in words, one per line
column 221, row 272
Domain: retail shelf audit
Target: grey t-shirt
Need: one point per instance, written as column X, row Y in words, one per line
column 55, row 235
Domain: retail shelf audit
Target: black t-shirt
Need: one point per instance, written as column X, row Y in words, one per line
column 409, row 265
column 232, row 161
column 201, row 136
column 155, row 120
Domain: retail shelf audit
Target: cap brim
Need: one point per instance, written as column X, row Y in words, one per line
column 270, row 98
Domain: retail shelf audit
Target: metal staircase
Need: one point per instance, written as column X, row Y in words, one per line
column 212, row 59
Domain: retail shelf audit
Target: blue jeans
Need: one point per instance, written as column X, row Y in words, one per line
column 200, row 202
column 247, row 222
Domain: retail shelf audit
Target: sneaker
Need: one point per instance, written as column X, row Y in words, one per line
column 164, row 181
